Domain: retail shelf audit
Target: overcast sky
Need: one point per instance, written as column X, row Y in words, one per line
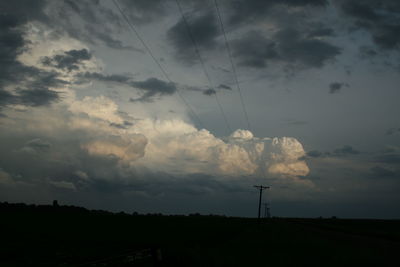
column 135, row 105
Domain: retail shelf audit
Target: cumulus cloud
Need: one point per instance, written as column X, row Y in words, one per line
column 78, row 147
column 127, row 148
column 97, row 107
column 177, row 147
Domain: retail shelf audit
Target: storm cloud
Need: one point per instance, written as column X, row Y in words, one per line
column 287, row 47
column 203, row 29
column 34, row 84
column 85, row 151
column 255, row 10
column 379, row 18
column 70, row 60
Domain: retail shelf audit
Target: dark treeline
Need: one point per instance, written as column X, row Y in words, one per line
column 70, row 209
column 62, row 235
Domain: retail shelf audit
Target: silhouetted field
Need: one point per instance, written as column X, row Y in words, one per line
column 71, row 236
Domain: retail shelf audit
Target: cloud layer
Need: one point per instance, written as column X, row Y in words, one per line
column 73, row 151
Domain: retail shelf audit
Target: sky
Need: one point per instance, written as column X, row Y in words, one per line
column 182, row 106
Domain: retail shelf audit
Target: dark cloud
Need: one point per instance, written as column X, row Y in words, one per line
column 36, row 89
column 367, row 52
column 23, row 11
column 220, row 69
column 203, row 28
column 381, row 172
column 287, row 46
column 309, row 52
column 91, row 14
column 393, row 131
column 144, row 11
column 360, row 10
column 339, row 152
column 345, row 150
column 379, row 17
column 296, row 122
column 6, row 98
column 38, row 97
column 335, row 87
column 116, row 78
column 314, row 154
column 388, row 158
column 320, row 31
column 11, row 45
column 153, row 87
column 125, row 125
column 299, row 40
column 66, row 14
column 33, row 84
column 70, row 60
column 38, row 145
column 209, row 92
column 224, row 86
column 255, row 50
column 254, row 10
column 29, row 97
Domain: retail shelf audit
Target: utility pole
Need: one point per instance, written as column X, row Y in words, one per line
column 267, row 213
column 261, row 188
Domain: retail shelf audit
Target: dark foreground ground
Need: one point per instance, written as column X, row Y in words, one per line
column 67, row 236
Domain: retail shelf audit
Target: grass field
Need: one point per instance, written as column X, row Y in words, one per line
column 68, row 236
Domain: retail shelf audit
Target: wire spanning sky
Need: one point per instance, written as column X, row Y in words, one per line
column 182, row 106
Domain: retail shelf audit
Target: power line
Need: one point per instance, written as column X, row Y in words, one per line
column 196, row 48
column 157, row 62
column 232, row 64
column 222, row 112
